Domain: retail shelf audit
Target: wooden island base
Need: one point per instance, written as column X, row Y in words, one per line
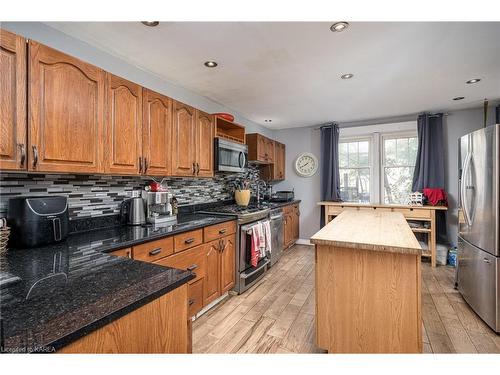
column 368, row 285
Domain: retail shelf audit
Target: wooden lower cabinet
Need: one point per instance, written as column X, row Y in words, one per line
column 227, row 266
column 291, row 224
column 195, row 297
column 160, row 326
column 212, row 255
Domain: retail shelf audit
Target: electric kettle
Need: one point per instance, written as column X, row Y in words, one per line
column 132, row 211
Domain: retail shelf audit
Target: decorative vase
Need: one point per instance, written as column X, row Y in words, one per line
column 242, row 197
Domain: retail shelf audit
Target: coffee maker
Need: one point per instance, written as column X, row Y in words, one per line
column 159, row 207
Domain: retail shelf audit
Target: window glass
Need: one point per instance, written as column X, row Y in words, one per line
column 355, row 171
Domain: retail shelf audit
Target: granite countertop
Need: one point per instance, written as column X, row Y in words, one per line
column 273, row 205
column 52, row 295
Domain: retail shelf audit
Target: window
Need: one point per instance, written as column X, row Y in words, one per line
column 398, row 164
column 355, row 170
column 376, row 162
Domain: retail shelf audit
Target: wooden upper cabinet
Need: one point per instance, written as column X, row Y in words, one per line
column 205, row 133
column 123, row 126
column 279, row 161
column 260, row 148
column 227, row 266
column 157, row 133
column 12, row 101
column 66, row 112
column 183, row 140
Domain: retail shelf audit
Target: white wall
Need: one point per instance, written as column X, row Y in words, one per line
column 300, row 140
column 75, row 47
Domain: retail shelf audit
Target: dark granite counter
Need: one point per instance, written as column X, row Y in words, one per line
column 52, row 295
column 273, row 205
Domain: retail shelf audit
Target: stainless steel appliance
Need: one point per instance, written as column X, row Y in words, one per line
column 159, row 207
column 230, row 156
column 478, row 272
column 276, row 218
column 283, row 196
column 37, row 221
column 246, row 274
column 132, row 211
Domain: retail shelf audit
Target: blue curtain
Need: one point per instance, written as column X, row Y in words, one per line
column 329, row 166
column 429, row 167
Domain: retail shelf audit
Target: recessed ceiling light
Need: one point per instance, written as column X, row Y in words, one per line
column 347, row 76
column 267, row 120
column 459, row 98
column 150, row 23
column 338, row 27
column 474, row 80
column 210, row 64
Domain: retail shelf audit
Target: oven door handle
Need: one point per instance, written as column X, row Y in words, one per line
column 247, row 275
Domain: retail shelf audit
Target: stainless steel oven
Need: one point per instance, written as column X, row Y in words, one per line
column 246, row 274
column 230, row 156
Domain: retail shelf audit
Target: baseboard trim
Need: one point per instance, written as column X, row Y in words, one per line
column 303, row 241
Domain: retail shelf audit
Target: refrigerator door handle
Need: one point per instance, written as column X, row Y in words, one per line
column 463, row 188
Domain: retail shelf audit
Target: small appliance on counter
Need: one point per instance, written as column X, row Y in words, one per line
column 159, row 208
column 132, row 211
column 283, row 196
column 37, row 221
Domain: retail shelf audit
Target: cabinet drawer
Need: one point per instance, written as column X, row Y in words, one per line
column 189, row 239
column 127, row 252
column 154, row 250
column 192, row 259
column 195, row 297
column 414, row 213
column 214, row 232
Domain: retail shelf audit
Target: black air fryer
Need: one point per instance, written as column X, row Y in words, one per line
column 37, row 221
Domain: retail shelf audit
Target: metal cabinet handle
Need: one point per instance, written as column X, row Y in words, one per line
column 222, row 231
column 191, row 301
column 23, row 154
column 129, row 254
column 486, row 260
column 224, row 246
column 189, row 240
column 197, row 168
column 140, row 164
column 192, row 267
column 145, row 165
column 194, row 167
column 35, row 156
column 155, row 251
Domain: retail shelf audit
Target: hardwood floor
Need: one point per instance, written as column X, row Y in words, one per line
column 277, row 314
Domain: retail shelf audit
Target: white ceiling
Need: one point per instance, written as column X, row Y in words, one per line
column 290, row 72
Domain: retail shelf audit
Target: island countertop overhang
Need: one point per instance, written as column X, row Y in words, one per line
column 375, row 231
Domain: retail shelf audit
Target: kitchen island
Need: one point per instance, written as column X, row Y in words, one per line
column 368, row 284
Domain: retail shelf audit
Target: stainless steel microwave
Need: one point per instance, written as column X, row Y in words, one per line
column 230, row 156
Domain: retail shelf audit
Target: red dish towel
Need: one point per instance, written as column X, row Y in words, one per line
column 436, row 196
column 255, row 248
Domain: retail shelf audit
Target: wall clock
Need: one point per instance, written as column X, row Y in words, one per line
column 306, row 164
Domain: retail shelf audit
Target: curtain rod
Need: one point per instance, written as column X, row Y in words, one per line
column 380, row 121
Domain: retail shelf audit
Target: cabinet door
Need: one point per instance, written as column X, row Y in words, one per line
column 66, row 112
column 212, row 275
column 227, row 266
column 296, row 221
column 123, row 126
column 280, row 161
column 12, row 101
column 157, row 133
column 269, row 150
column 287, row 223
column 183, row 140
column 205, row 133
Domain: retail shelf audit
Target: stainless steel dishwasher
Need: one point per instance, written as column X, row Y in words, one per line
column 276, row 218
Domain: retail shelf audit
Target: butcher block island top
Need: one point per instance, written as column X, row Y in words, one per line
column 377, row 231
column 368, row 284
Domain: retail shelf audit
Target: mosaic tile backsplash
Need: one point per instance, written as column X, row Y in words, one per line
column 90, row 196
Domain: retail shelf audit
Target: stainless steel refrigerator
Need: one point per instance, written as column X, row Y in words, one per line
column 478, row 269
